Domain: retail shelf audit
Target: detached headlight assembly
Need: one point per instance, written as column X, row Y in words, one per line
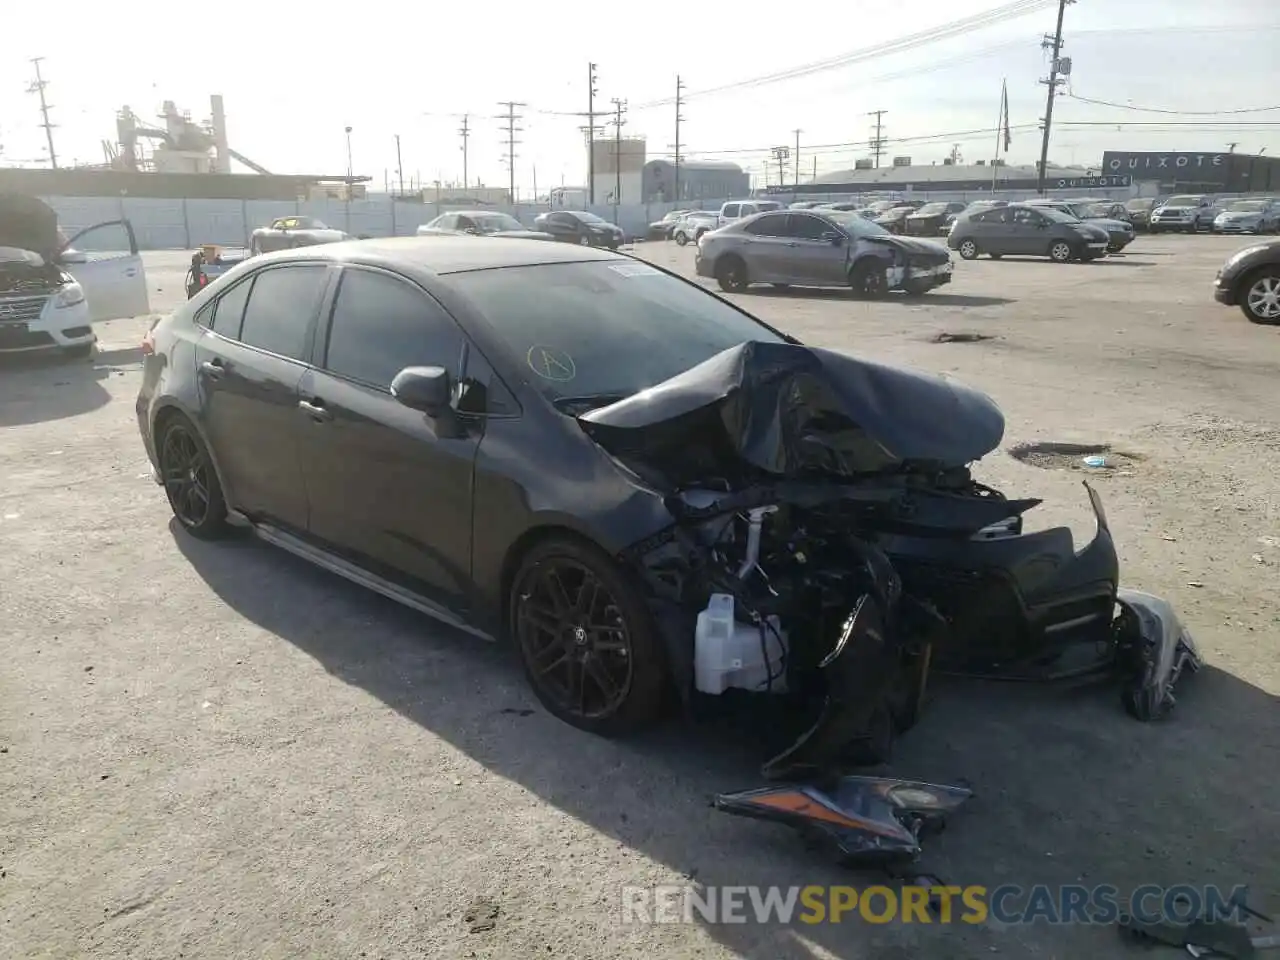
column 70, row 295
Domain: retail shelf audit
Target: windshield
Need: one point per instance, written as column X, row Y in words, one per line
column 1248, row 206
column 1058, row 216
column 604, row 329
column 673, row 215
column 1092, row 210
column 493, row 222
column 855, row 225
column 590, row 218
column 1182, row 202
column 763, row 205
column 1139, row 204
column 932, row 209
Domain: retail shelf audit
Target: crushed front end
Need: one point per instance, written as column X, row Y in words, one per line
column 829, row 547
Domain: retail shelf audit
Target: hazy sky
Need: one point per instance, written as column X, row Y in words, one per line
column 294, row 74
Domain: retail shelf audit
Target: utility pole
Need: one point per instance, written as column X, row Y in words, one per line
column 465, row 132
column 619, row 108
column 591, row 133
column 37, row 87
column 877, row 141
column 797, row 132
column 1053, row 44
column 679, row 118
column 511, row 117
column 780, row 154
column 399, row 166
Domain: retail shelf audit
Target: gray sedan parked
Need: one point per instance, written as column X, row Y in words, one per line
column 1028, row 231
column 820, row 248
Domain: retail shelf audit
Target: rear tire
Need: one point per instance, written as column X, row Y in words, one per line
column 190, row 479
column 681, row 239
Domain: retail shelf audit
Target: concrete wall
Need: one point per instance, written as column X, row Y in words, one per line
column 185, row 224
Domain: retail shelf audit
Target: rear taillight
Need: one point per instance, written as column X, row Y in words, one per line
column 148, row 345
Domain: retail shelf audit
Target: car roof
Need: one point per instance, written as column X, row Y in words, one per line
column 445, row 253
column 475, row 213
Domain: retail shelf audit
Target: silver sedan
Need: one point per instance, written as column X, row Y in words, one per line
column 820, row 248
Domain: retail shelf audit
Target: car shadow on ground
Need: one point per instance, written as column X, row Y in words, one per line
column 38, row 389
column 1069, row 790
column 932, row 298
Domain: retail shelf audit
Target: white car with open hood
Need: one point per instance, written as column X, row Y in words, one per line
column 52, row 290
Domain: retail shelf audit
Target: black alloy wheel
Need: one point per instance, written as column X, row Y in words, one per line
column 585, row 639
column 190, row 481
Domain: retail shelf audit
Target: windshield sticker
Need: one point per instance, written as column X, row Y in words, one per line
column 551, row 364
column 635, row 269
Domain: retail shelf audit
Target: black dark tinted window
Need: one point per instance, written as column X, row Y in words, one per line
column 281, row 308
column 229, row 310
column 808, row 228
column 768, row 226
column 382, row 325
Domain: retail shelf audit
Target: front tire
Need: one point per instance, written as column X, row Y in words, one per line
column 731, row 274
column 1060, row 252
column 868, row 279
column 968, row 250
column 586, row 639
column 681, row 240
column 584, row 240
column 1260, row 296
column 190, row 480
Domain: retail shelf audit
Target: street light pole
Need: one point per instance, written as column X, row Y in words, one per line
column 350, row 178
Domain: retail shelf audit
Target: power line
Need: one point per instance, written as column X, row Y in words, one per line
column 945, row 32
column 1176, row 113
column 510, row 117
column 465, row 133
column 877, row 141
column 37, row 87
column 1054, row 44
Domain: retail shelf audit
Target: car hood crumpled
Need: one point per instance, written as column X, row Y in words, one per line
column 795, row 411
column 28, row 223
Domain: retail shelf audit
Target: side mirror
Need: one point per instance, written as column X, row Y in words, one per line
column 833, row 238
column 423, row 388
column 72, row 256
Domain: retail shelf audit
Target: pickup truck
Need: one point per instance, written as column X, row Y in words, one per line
column 697, row 222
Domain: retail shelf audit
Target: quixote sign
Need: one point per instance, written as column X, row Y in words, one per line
column 1072, row 183
column 1161, row 164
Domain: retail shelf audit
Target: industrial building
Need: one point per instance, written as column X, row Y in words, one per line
column 1194, row 171
column 698, row 180
column 176, row 157
column 617, row 169
column 904, row 176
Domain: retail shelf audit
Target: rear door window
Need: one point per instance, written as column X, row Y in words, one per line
column 282, row 307
column 770, row 226
column 229, row 310
column 804, row 227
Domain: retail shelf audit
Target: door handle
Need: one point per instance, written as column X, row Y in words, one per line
column 213, row 368
column 315, row 411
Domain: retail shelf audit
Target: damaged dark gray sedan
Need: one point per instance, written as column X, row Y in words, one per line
column 649, row 491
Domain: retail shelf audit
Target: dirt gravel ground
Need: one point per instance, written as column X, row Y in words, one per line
column 215, row 751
